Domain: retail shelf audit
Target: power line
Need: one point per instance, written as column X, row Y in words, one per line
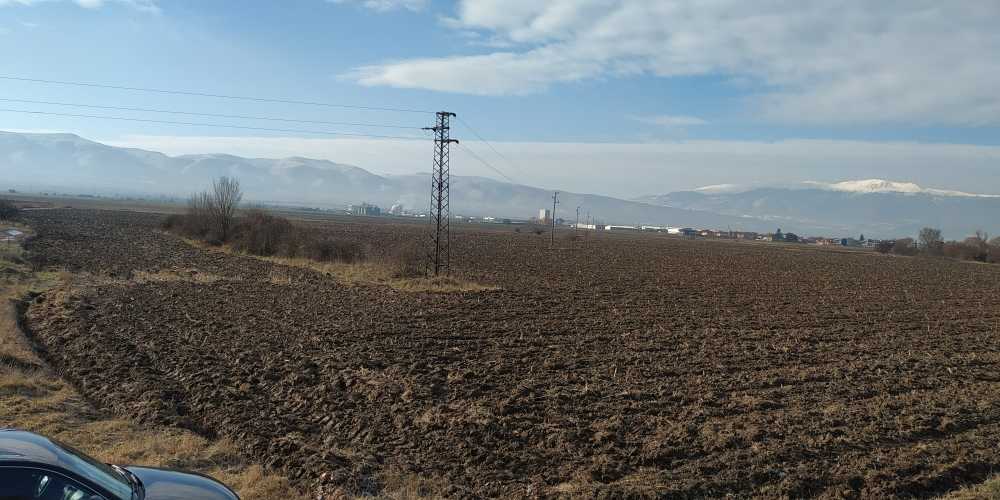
column 213, row 115
column 205, row 94
column 484, row 162
column 217, row 125
column 498, row 153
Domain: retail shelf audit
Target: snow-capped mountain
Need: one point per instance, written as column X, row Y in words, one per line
column 884, row 186
column 875, row 207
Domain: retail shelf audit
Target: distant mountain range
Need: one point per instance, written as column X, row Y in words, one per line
column 874, row 207
column 70, row 164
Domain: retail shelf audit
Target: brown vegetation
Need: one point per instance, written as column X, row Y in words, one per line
column 975, row 248
column 8, row 211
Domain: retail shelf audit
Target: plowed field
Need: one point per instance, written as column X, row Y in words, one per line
column 621, row 366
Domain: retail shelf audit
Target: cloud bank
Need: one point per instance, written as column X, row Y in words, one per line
column 918, row 62
column 628, row 170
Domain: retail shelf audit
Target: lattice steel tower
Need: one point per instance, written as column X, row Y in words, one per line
column 439, row 255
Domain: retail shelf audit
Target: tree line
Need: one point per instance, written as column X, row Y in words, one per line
column 978, row 247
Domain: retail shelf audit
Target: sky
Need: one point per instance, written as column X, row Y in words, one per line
column 625, row 98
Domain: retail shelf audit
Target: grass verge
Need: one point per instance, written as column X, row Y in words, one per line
column 34, row 398
column 365, row 272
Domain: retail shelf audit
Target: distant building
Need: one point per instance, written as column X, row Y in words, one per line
column 544, row 215
column 365, row 209
column 873, row 243
column 619, row 228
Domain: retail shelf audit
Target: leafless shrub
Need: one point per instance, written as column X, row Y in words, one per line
column 8, row 211
column 223, row 202
column 197, row 222
column 210, row 215
column 333, row 250
column 408, row 260
column 994, row 251
column 904, row 246
column 260, row 233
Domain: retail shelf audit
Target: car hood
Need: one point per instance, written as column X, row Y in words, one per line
column 165, row 484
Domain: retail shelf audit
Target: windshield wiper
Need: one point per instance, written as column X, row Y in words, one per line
column 138, row 491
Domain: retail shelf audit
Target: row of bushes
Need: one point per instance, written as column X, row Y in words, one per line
column 257, row 232
column 977, row 247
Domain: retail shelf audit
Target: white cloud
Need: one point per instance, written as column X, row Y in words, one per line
column 386, row 5
column 920, row 62
column 670, row 120
column 149, row 6
column 629, row 169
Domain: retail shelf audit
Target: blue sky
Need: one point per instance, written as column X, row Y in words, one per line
column 677, row 93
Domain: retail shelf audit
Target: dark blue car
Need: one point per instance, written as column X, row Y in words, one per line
column 34, row 467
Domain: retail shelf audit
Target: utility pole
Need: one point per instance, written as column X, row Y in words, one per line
column 555, row 201
column 439, row 256
column 577, row 226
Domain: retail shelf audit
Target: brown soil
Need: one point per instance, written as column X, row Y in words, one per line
column 620, row 366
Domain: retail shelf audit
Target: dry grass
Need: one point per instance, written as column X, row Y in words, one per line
column 639, row 484
column 34, row 398
column 190, row 275
column 364, row 272
column 987, row 490
column 401, row 485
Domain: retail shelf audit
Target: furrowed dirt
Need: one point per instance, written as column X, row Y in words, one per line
column 615, row 366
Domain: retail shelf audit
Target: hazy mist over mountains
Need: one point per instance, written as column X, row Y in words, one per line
column 877, row 208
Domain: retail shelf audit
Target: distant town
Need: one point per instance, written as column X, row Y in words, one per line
column 544, row 218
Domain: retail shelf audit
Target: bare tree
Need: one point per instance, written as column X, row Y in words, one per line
column 994, row 250
column 979, row 243
column 904, row 246
column 8, row 211
column 931, row 241
column 225, row 200
column 198, row 222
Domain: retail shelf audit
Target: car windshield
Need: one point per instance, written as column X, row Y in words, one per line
column 96, row 472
